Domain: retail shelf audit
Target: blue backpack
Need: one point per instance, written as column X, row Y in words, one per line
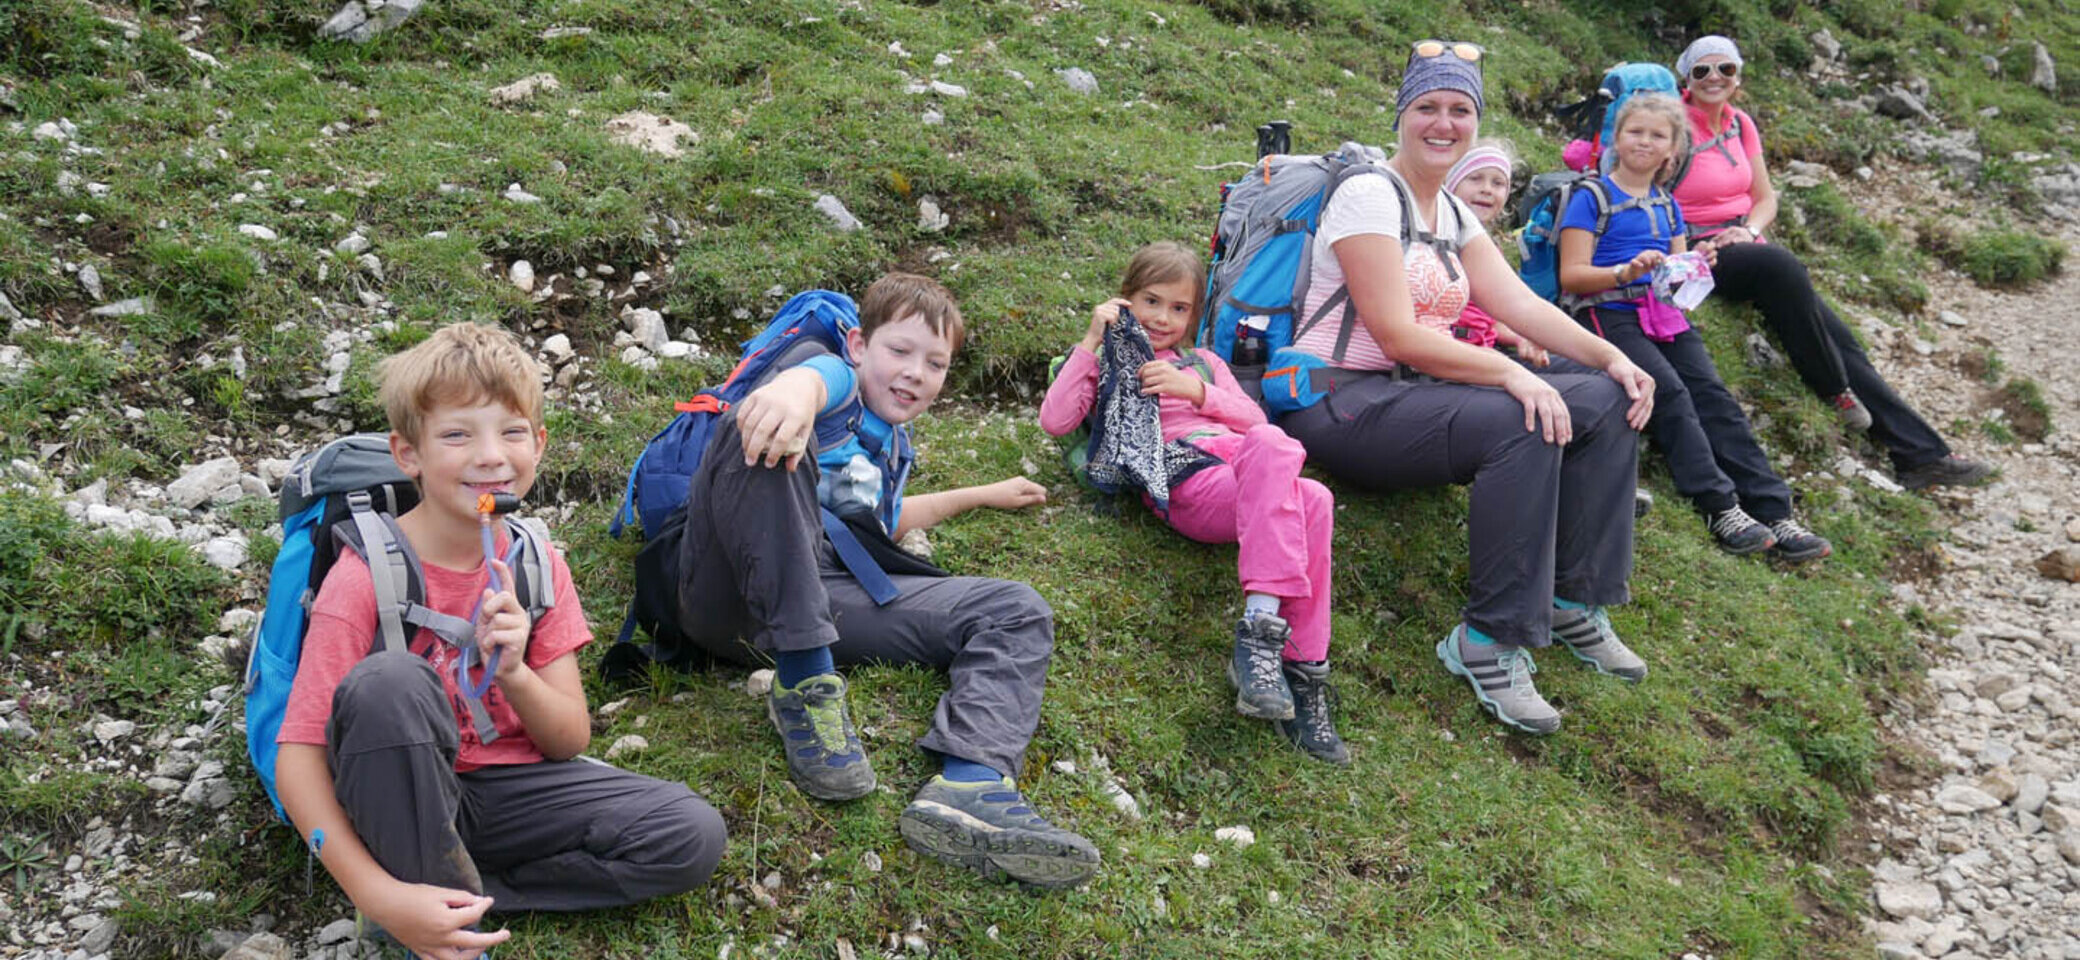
column 1596, row 118
column 809, row 324
column 347, row 494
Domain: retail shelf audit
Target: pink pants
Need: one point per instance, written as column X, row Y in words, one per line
column 1282, row 522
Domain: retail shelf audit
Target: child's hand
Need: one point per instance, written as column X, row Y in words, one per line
column 1532, row 353
column 776, row 421
column 1161, row 378
column 502, row 625
column 1102, row 316
column 1643, row 263
column 1014, row 494
column 429, row 921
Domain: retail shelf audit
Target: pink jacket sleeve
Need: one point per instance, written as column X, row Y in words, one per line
column 1225, row 401
column 1070, row 396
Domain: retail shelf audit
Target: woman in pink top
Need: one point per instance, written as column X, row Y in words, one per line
column 1253, row 496
column 1729, row 203
column 1550, row 459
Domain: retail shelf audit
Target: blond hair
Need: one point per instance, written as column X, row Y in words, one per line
column 460, row 365
column 1667, row 108
column 898, row 295
column 1164, row 262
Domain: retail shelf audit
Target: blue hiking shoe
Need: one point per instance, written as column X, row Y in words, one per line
column 1588, row 635
column 1501, row 679
column 1261, row 689
column 987, row 827
column 823, row 752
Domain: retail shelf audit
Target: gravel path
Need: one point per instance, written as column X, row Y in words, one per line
column 1983, row 860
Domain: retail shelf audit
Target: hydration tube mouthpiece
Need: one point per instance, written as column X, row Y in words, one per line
column 496, row 504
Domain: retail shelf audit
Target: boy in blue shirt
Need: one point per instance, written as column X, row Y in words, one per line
column 759, row 572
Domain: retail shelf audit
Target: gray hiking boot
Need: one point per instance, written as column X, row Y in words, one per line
column 1850, row 410
column 1797, row 544
column 988, row 828
column 1501, row 679
column 823, row 752
column 1738, row 533
column 1312, row 729
column 1588, row 635
column 1260, row 686
column 1951, row 470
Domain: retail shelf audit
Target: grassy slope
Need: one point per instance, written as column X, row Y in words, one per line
column 1685, row 813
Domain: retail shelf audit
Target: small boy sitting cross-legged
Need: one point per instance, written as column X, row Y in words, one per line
column 430, row 806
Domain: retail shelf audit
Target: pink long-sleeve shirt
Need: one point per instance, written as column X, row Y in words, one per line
column 1226, row 408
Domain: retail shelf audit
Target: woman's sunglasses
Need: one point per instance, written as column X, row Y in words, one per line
column 1727, row 68
column 1426, row 49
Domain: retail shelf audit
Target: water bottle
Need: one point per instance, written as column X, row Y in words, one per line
column 1249, row 351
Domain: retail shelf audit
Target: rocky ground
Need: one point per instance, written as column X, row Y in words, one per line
column 1979, row 854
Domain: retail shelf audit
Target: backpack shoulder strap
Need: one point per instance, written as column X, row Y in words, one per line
column 1189, row 359
column 389, row 568
column 533, row 565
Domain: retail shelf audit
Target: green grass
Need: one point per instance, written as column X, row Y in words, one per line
column 1693, row 812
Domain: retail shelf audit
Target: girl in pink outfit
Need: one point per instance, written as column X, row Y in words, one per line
column 1254, row 496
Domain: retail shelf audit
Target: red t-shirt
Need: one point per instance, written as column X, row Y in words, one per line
column 343, row 630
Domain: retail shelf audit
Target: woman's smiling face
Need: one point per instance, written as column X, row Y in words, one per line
column 1438, row 128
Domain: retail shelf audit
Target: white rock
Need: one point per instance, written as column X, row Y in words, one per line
column 517, row 195
column 1912, row 898
column 942, row 60
column 1965, row 798
column 648, row 327
column 123, row 308
column 525, row 88
column 338, row 931
column 2069, row 846
column 933, row 118
column 110, row 731
column 261, row 946
column 557, row 349
column 652, row 133
column 200, row 482
column 2057, row 818
column 759, row 683
column 1241, row 837
column 352, row 245
column 559, row 33
column 2030, row 793
column 225, row 553
column 257, row 232
column 216, row 794
column 676, row 350
column 948, row 89
column 1201, row 861
column 929, row 217
column 1952, row 318
column 1078, row 79
column 627, row 744
column 521, row 273
column 90, row 281
column 1122, row 801
column 7, row 309
column 834, row 209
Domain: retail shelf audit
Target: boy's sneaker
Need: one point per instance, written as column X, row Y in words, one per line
column 823, row 752
column 1796, row 543
column 1852, row 412
column 1738, row 533
column 1950, row 471
column 1254, row 668
column 1312, row 729
column 988, row 828
column 1642, row 503
column 1588, row 635
column 1501, row 679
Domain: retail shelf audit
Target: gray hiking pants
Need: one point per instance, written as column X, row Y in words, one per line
column 758, row 575
column 556, row 835
column 1542, row 520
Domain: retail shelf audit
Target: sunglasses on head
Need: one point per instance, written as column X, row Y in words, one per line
column 1426, row 49
column 1727, row 68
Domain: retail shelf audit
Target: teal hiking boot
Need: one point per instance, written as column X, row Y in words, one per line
column 989, row 828
column 1501, row 679
column 823, row 752
column 1588, row 635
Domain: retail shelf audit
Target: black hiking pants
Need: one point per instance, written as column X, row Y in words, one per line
column 1697, row 424
column 555, row 835
column 1821, row 348
column 757, row 574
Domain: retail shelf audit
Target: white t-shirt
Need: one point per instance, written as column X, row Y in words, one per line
column 1370, row 205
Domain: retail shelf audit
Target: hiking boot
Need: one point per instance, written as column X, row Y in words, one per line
column 988, row 828
column 1501, row 679
column 1850, row 410
column 1642, row 503
column 1797, row 544
column 1588, row 635
column 1260, row 686
column 1311, row 728
column 823, row 752
column 1950, row 471
column 1738, row 533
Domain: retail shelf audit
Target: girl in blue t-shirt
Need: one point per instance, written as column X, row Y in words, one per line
column 1611, row 241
